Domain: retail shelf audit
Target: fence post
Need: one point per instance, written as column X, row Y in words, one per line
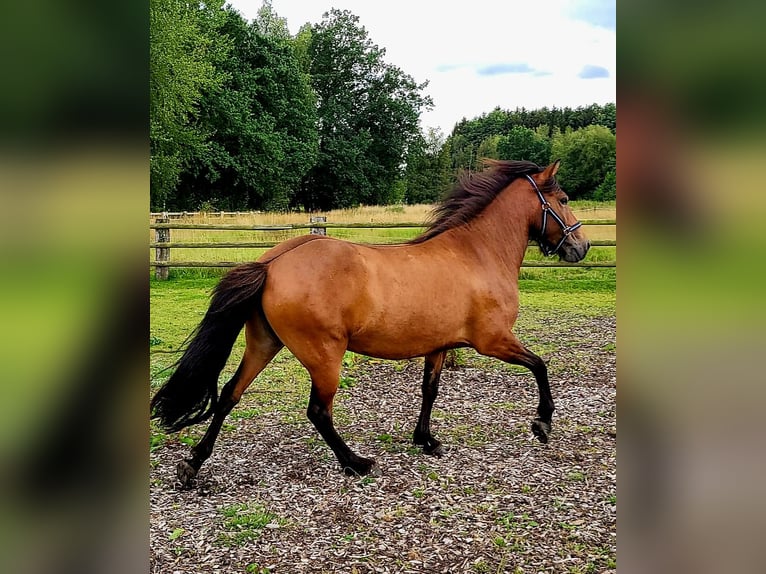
column 162, row 254
column 318, row 230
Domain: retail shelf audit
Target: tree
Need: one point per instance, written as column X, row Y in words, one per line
column 488, row 148
column 269, row 23
column 463, row 154
column 607, row 191
column 500, row 122
column 302, row 45
column 262, row 122
column 181, row 68
column 428, row 175
column 586, row 157
column 525, row 144
column 368, row 114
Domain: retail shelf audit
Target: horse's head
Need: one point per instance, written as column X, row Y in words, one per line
column 555, row 227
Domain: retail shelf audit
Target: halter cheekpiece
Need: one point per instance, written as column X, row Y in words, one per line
column 567, row 229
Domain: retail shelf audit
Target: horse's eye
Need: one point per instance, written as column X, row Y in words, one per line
column 564, row 200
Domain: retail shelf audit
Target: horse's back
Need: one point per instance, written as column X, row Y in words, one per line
column 288, row 245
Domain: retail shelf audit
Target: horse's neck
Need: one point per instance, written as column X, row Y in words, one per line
column 498, row 235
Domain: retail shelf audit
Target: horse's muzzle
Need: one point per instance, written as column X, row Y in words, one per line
column 573, row 251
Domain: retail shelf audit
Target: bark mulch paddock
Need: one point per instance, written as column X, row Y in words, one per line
column 272, row 497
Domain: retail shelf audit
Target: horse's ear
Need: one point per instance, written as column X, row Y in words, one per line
column 551, row 170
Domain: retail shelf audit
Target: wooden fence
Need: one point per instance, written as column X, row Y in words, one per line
column 218, row 214
column 317, row 225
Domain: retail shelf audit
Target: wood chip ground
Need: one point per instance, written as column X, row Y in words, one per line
column 499, row 501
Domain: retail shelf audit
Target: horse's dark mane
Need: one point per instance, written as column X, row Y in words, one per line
column 474, row 192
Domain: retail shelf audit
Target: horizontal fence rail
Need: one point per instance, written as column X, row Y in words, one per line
column 220, row 214
column 163, row 244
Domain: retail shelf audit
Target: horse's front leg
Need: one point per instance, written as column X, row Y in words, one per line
column 510, row 350
column 422, row 435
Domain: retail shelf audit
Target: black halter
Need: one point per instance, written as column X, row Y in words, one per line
column 568, row 229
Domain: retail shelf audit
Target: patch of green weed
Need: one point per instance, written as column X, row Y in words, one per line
column 156, row 440
column 385, row 438
column 245, row 522
column 177, row 533
column 346, row 382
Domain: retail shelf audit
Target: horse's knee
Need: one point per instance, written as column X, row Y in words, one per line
column 313, row 412
column 318, row 413
column 538, row 367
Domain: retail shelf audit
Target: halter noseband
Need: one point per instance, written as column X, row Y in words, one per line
column 568, row 229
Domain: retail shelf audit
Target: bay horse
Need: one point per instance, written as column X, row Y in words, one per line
column 456, row 285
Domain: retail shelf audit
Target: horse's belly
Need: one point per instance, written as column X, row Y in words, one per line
column 392, row 349
column 404, row 339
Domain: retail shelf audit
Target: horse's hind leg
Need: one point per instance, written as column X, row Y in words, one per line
column 261, row 348
column 422, row 436
column 325, row 375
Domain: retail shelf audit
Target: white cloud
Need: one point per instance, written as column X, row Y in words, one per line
column 448, row 43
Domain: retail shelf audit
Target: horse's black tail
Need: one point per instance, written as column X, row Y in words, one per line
column 190, row 394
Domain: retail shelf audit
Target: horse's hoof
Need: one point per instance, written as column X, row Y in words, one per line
column 434, row 448
column 541, row 430
column 363, row 467
column 186, row 473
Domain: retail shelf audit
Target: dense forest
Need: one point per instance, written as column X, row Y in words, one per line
column 245, row 115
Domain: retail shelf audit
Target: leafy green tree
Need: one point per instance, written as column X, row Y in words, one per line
column 262, row 122
column 302, row 45
column 608, row 189
column 525, row 144
column 586, row 155
column 606, row 116
column 463, row 153
column 501, row 122
column 529, row 134
column 368, row 114
column 488, row 148
column 428, row 174
column 269, row 23
column 181, row 68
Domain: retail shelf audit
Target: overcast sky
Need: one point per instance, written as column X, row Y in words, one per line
column 480, row 54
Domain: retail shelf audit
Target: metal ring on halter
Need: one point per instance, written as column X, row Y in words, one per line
column 567, row 229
